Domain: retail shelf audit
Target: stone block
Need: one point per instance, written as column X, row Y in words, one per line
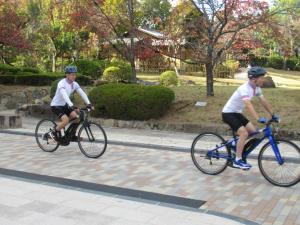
column 10, row 121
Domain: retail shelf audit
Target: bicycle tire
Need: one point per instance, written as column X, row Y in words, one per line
column 83, row 138
column 210, row 140
column 273, row 171
column 40, row 133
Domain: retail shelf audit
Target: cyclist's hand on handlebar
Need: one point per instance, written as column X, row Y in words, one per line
column 262, row 120
column 275, row 118
column 90, row 107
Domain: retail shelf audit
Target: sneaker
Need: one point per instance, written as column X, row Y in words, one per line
column 241, row 164
column 53, row 136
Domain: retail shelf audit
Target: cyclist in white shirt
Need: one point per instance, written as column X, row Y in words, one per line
column 61, row 103
column 232, row 111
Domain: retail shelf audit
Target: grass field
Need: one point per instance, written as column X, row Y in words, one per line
column 285, row 99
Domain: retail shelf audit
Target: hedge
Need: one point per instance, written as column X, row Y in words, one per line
column 38, row 79
column 112, row 74
column 12, row 70
column 130, row 101
column 168, row 78
column 90, row 68
column 276, row 62
column 125, row 69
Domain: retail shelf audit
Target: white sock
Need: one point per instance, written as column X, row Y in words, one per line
column 237, row 158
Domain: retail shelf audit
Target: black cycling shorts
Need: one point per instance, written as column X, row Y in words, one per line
column 61, row 110
column 235, row 120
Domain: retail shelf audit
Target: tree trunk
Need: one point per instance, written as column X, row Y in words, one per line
column 53, row 61
column 133, row 71
column 209, row 79
column 131, row 48
column 62, row 63
column 284, row 62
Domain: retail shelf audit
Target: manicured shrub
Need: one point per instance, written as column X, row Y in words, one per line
column 53, row 87
column 7, row 79
column 31, row 70
column 125, row 69
column 84, row 80
column 13, row 70
column 275, row 62
column 258, row 60
column 90, row 68
column 130, row 101
column 232, row 65
column 9, row 70
column 291, row 63
column 112, row 74
column 168, row 78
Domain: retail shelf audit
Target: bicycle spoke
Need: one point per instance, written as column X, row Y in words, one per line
column 205, row 158
column 94, row 141
column 288, row 173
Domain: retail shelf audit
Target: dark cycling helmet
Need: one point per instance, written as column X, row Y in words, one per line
column 256, row 72
column 71, row 69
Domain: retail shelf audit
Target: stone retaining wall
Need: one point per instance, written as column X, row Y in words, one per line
column 29, row 95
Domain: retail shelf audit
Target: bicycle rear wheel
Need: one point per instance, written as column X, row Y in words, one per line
column 42, row 137
column 284, row 175
column 92, row 140
column 206, row 160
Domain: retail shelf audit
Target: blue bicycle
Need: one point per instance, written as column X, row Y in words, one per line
column 278, row 159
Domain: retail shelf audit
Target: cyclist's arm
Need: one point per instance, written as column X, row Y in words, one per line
column 83, row 95
column 251, row 109
column 266, row 105
column 65, row 96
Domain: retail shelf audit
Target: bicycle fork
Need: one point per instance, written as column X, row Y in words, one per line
column 89, row 132
column 276, row 150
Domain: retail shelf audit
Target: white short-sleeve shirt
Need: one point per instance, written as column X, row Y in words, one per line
column 236, row 102
column 58, row 99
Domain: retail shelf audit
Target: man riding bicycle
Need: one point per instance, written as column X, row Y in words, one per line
column 232, row 111
column 61, row 103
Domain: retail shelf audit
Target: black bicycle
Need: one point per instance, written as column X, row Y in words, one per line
column 91, row 137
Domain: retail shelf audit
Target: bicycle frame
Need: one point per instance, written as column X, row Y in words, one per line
column 267, row 135
column 71, row 130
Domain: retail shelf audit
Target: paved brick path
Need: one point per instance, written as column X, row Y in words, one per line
column 245, row 194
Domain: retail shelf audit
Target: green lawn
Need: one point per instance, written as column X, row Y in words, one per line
column 285, row 99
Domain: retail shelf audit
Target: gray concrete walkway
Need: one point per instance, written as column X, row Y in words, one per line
column 29, row 203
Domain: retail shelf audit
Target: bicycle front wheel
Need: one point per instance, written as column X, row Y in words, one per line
column 42, row 135
column 286, row 174
column 92, row 140
column 205, row 158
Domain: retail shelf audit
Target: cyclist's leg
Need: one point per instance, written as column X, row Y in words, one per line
column 246, row 128
column 75, row 120
column 243, row 135
column 60, row 112
column 74, row 116
column 250, row 128
column 237, row 122
column 64, row 120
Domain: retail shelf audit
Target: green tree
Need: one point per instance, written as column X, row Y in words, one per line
column 114, row 22
column 155, row 13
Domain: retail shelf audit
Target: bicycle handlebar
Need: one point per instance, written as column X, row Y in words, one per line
column 86, row 109
column 272, row 121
